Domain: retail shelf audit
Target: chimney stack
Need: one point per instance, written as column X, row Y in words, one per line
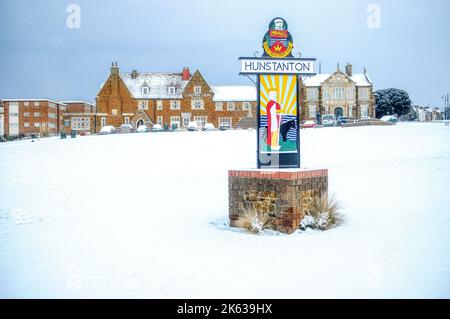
column 348, row 69
column 114, row 68
column 134, row 74
column 186, row 75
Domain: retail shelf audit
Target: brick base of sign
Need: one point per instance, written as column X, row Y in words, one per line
column 281, row 192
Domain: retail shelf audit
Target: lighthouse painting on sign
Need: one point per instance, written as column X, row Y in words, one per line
column 278, row 113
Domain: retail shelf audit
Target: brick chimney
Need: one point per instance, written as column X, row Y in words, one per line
column 186, row 75
column 114, row 69
column 348, row 69
column 134, row 74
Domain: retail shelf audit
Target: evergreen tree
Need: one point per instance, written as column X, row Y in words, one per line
column 392, row 102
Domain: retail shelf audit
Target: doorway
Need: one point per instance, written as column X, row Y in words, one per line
column 139, row 123
column 338, row 112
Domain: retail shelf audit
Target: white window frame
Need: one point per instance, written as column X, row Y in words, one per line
column 126, row 120
column 103, row 121
column 143, row 105
column 26, row 114
column 231, row 106
column 363, row 93
column 159, row 104
column 219, row 106
column 37, row 114
column 36, row 103
column 339, row 93
column 197, row 90
column 51, row 125
column 145, row 90
column 350, row 110
column 312, row 94
column 201, row 120
column 175, row 104
column 159, row 120
column 172, row 90
column 197, row 104
column 176, row 120
column 312, row 110
column 225, row 121
column 26, row 103
column 246, row 106
column 36, row 124
column 26, row 124
column 364, row 110
column 326, row 94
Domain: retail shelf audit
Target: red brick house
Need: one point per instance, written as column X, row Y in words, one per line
column 80, row 117
column 170, row 98
column 31, row 116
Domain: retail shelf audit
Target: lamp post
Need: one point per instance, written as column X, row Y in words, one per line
column 446, row 105
column 375, row 95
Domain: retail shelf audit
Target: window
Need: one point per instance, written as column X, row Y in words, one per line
column 159, row 104
column 26, row 124
column 219, row 106
column 364, row 110
column 145, row 90
column 52, row 105
column 339, row 93
column 350, row 110
column 197, row 104
column 200, row 120
column 175, row 120
column 51, row 125
column 127, row 120
column 37, row 124
column 225, row 121
column 2, row 109
column 143, row 105
column 174, row 104
column 82, row 123
column 186, row 120
column 312, row 110
column 230, row 106
column 66, row 123
column 26, row 114
column 52, row 115
column 312, row 94
column 326, row 94
column 350, row 94
column 246, row 106
column 36, row 103
column 197, row 90
column 103, row 121
column 172, row 90
column 37, row 114
column 26, row 103
column 363, row 93
column 159, row 120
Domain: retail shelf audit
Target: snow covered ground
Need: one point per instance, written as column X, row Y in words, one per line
column 143, row 215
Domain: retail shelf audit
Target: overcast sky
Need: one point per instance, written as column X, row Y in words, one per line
column 40, row 56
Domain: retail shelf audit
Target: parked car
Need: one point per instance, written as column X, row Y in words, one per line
column 365, row 118
column 328, row 120
column 157, row 128
column 345, row 119
column 108, row 129
column 309, row 124
column 126, row 128
column 209, row 127
column 224, row 127
column 389, row 118
column 142, row 128
column 192, row 126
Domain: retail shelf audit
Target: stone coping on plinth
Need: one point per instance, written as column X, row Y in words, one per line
column 289, row 173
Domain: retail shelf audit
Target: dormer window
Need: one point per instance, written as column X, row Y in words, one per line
column 145, row 90
column 172, row 90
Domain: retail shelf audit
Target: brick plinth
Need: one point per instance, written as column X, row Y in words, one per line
column 282, row 193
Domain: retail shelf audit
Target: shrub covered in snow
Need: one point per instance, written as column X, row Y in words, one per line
column 321, row 213
column 255, row 221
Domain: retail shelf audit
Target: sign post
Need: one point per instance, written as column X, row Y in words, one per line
column 278, row 109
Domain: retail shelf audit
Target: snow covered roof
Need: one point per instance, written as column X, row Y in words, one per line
column 77, row 102
column 157, row 82
column 234, row 93
column 361, row 79
column 32, row 100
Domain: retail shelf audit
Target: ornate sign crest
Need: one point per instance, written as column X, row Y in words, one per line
column 277, row 42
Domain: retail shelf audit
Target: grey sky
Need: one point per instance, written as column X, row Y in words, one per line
column 41, row 57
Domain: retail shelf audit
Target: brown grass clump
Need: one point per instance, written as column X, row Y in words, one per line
column 254, row 221
column 322, row 213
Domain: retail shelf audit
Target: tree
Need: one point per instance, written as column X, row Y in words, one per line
column 392, row 102
column 446, row 114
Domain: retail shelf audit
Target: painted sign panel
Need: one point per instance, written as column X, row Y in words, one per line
column 277, row 42
column 277, row 66
column 278, row 135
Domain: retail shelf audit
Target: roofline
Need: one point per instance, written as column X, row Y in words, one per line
column 32, row 100
column 73, row 102
column 234, row 100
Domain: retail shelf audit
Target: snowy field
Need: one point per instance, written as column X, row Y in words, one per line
column 143, row 215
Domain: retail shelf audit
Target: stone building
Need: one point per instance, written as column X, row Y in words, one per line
column 80, row 117
column 170, row 99
column 339, row 93
column 22, row 117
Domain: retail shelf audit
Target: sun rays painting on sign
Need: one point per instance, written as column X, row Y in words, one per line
column 277, row 71
column 278, row 113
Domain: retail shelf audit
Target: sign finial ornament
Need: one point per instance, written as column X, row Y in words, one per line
column 277, row 42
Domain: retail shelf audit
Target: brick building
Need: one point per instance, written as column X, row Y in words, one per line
column 31, row 116
column 80, row 117
column 165, row 98
column 339, row 93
